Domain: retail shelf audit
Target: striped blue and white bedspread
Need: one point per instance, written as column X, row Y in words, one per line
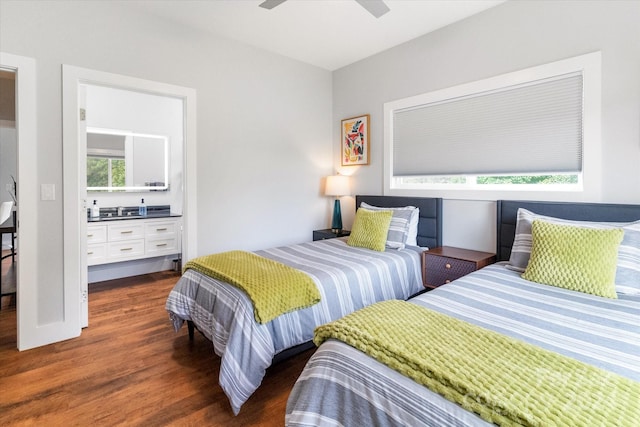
column 358, row 390
column 348, row 278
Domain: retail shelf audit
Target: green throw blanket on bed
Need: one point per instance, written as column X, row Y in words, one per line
column 504, row 380
column 274, row 288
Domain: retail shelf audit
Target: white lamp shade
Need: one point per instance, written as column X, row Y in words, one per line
column 337, row 185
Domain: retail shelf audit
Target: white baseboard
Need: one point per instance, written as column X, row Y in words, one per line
column 118, row 270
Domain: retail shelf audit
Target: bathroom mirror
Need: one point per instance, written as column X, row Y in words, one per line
column 119, row 160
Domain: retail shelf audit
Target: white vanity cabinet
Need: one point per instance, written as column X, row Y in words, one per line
column 96, row 244
column 125, row 240
column 161, row 238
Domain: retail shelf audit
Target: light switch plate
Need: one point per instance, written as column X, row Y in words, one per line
column 47, row 191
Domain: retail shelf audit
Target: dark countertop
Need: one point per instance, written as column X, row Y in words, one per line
column 131, row 212
column 120, row 218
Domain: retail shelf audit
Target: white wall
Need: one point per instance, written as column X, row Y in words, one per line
column 510, row 37
column 264, row 123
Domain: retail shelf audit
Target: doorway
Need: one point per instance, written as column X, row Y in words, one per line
column 8, row 187
column 29, row 333
column 75, row 81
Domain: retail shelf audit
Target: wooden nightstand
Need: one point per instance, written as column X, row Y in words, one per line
column 444, row 264
column 328, row 234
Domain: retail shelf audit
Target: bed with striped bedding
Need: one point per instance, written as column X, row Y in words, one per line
column 348, row 278
column 357, row 390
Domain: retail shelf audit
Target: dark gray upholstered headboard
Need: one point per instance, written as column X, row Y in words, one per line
column 430, row 222
column 507, row 211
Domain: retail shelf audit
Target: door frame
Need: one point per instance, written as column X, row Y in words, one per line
column 29, row 333
column 74, row 174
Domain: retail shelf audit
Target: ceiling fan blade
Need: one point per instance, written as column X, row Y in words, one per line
column 375, row 7
column 270, row 4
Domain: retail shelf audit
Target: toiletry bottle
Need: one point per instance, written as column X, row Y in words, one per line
column 142, row 209
column 95, row 210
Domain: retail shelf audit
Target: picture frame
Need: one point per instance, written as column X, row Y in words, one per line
column 354, row 141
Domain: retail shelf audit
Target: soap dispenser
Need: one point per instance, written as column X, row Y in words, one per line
column 95, row 210
column 142, row 209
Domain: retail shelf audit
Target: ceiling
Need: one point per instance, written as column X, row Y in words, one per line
column 326, row 33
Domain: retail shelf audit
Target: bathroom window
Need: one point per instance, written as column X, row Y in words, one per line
column 105, row 171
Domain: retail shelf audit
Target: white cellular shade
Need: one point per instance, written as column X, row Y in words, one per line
column 530, row 128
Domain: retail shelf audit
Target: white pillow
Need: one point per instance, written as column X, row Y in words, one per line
column 404, row 225
column 412, row 235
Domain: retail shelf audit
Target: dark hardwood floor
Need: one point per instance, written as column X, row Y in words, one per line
column 129, row 368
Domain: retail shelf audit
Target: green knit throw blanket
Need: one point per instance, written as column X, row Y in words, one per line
column 273, row 288
column 504, row 380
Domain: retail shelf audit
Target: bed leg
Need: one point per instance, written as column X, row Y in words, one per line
column 190, row 327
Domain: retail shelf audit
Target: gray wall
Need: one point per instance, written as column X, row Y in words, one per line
column 510, row 37
column 264, row 123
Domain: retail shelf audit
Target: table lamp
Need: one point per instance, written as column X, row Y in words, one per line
column 337, row 185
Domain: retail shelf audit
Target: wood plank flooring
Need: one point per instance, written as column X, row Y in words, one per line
column 129, row 368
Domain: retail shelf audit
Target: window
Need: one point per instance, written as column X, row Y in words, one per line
column 105, row 171
column 105, row 159
column 534, row 129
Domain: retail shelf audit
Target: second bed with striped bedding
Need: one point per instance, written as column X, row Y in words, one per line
column 358, row 390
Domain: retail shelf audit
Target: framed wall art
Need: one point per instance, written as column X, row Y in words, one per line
column 354, row 144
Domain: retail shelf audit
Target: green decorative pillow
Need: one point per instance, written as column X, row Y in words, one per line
column 370, row 229
column 577, row 258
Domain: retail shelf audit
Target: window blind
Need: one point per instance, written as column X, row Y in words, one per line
column 530, row 128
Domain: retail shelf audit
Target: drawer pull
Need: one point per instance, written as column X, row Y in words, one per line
column 89, row 253
column 161, row 229
column 89, row 235
column 447, row 265
column 126, row 232
column 126, row 249
column 161, row 244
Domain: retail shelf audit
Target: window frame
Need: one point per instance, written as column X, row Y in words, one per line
column 589, row 186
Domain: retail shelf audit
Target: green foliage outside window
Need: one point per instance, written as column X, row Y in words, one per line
column 434, row 180
column 528, row 179
column 494, row 180
column 117, row 172
column 98, row 172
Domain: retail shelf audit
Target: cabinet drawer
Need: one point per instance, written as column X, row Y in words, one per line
column 440, row 270
column 126, row 249
column 96, row 253
column 127, row 231
column 96, row 234
column 160, row 246
column 158, row 229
